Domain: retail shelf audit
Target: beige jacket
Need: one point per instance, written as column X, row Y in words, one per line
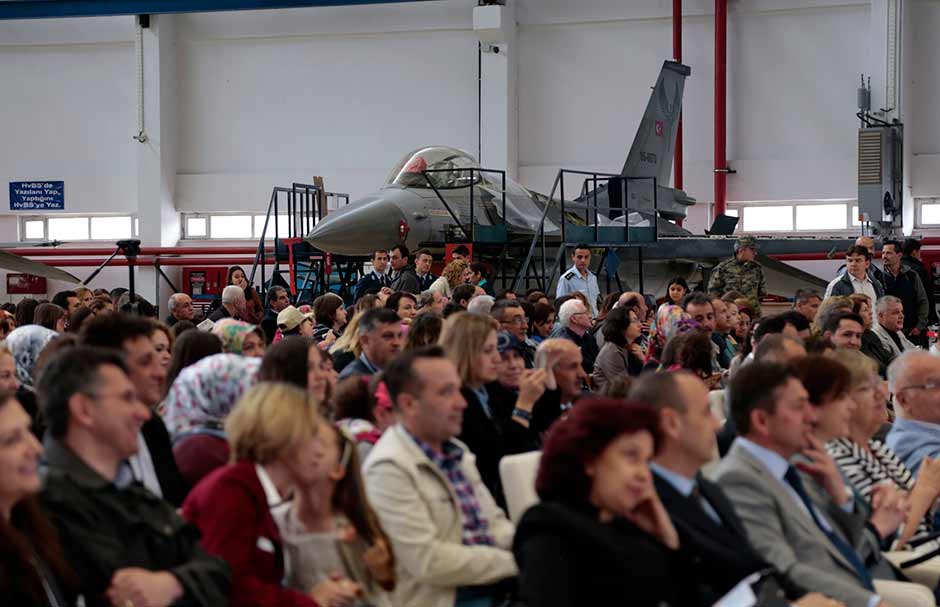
column 420, row 512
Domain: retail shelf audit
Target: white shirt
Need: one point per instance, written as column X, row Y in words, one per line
column 271, row 494
column 142, row 467
column 864, row 286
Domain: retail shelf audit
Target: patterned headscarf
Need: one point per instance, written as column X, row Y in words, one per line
column 26, row 343
column 205, row 393
column 233, row 333
column 671, row 320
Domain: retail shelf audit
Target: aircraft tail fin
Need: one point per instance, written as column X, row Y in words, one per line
column 652, row 150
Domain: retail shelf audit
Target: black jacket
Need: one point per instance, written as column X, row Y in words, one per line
column 925, row 274
column 370, row 284
column 907, row 287
column 164, row 464
column 104, row 529
column 220, row 313
column 407, row 281
column 588, row 345
column 875, row 350
column 269, row 326
column 356, row 367
column 720, row 555
column 567, row 558
column 490, row 437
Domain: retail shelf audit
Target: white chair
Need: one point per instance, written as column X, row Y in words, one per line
column 907, row 594
column 518, row 473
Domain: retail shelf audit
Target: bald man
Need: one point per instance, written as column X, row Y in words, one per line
column 914, row 380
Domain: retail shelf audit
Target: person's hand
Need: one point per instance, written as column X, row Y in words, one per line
column 637, row 350
column 531, row 388
column 650, row 515
column 143, row 588
column 915, row 331
column 337, row 591
column 378, row 560
column 814, row 599
column 889, row 508
column 713, row 381
column 823, row 469
column 329, row 339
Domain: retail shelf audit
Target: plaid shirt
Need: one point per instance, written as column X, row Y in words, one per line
column 476, row 529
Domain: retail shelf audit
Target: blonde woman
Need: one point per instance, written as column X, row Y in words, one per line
column 455, row 274
column 272, row 448
column 347, row 348
column 496, row 420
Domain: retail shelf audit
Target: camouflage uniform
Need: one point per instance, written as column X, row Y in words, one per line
column 746, row 277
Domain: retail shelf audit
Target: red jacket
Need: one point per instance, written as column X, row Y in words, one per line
column 231, row 511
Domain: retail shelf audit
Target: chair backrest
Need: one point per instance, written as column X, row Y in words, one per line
column 518, row 474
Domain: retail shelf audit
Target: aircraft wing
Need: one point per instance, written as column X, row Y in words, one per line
column 769, row 263
column 15, row 263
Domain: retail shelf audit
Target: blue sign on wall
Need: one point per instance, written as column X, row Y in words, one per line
column 37, row 195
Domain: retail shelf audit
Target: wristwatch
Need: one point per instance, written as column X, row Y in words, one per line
column 522, row 414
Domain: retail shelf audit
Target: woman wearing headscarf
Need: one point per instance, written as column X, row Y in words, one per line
column 239, row 337
column 26, row 344
column 197, row 405
column 670, row 321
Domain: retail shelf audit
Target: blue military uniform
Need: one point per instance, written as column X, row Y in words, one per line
column 371, row 283
column 572, row 281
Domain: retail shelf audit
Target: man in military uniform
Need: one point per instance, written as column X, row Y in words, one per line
column 374, row 281
column 579, row 278
column 740, row 273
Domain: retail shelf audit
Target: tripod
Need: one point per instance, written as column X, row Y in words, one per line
column 130, row 249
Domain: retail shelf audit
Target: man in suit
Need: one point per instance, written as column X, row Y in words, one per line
column 804, row 522
column 423, row 261
column 403, row 276
column 377, row 279
column 711, row 534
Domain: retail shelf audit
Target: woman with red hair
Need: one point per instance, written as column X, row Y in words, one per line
column 600, row 535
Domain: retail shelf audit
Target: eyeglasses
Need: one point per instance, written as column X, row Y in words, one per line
column 929, row 387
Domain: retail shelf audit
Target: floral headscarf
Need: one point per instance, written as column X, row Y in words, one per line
column 670, row 321
column 233, row 333
column 26, row 343
column 205, row 392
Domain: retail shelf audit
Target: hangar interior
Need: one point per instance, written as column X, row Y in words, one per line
column 174, row 129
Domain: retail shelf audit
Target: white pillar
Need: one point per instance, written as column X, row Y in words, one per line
column 157, row 156
column 496, row 28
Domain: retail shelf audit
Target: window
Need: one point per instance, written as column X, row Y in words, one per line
column 77, row 227
column 929, row 212
column 768, row 219
column 855, row 222
column 820, row 217
column 231, row 226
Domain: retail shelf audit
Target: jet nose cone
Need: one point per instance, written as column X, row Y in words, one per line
column 364, row 226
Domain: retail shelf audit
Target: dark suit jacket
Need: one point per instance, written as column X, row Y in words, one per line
column 370, row 284
column 721, row 555
column 230, row 508
column 219, row 314
column 407, row 281
column 164, row 464
column 356, row 367
column 568, row 558
column 490, row 438
column 269, row 326
column 875, row 350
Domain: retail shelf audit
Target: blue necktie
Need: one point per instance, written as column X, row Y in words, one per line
column 793, row 478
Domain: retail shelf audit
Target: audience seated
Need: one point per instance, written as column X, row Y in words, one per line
column 806, row 302
column 190, row 348
column 364, row 410
column 291, row 321
column 26, row 344
column 574, row 318
column 914, row 378
column 329, row 528
column 494, row 423
column 180, row 306
column 299, row 361
column 127, row 545
column 424, row 330
column 450, row 540
column 380, row 339
column 889, row 328
column 277, row 298
column 712, row 536
column 561, row 359
column 239, row 337
column 811, row 531
column 600, row 535
column 511, row 316
column 621, row 353
column 33, row 569
column 234, row 305
column 272, row 433
column 197, row 405
column 153, row 463
column 844, row 330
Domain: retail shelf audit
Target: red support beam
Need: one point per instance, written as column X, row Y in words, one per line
column 99, row 252
column 143, row 262
column 721, row 118
column 677, row 55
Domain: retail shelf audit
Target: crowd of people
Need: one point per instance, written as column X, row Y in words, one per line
column 692, row 450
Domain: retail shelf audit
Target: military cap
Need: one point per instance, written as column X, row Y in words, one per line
column 745, row 242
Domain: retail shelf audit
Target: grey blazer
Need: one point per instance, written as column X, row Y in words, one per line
column 786, row 536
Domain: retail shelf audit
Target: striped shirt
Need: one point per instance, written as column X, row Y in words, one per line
column 865, row 468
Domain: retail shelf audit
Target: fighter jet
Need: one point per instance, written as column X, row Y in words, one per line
column 426, row 199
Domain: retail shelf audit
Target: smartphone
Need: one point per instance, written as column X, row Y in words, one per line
column 543, row 360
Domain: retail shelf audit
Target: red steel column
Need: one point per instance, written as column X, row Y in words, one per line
column 721, row 69
column 677, row 55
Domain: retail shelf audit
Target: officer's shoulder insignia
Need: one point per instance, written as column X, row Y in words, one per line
column 569, row 275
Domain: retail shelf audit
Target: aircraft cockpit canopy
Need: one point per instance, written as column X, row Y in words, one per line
column 409, row 171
